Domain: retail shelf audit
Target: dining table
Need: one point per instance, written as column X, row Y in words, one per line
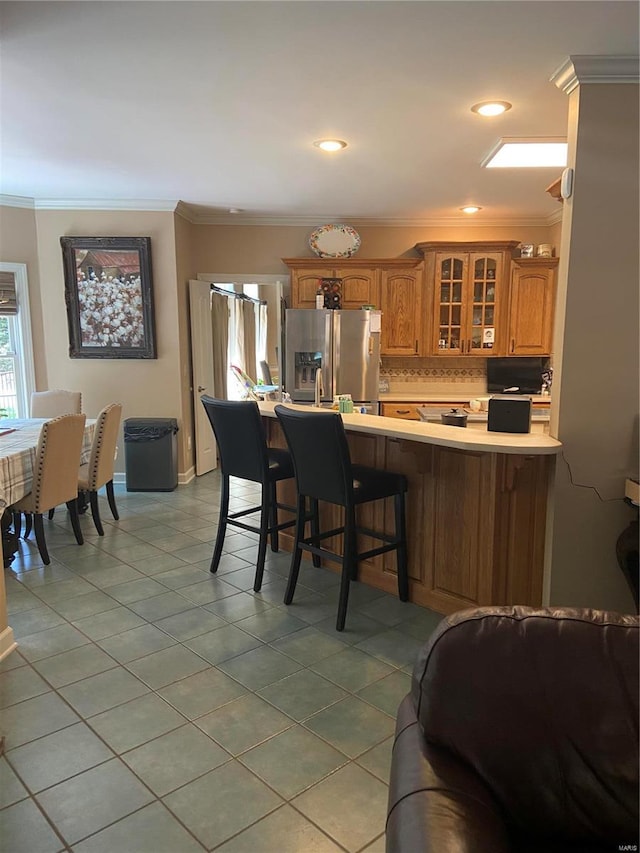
column 18, row 446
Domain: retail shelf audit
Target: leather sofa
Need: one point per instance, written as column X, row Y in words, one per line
column 520, row 733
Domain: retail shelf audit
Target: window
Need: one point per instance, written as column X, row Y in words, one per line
column 17, row 375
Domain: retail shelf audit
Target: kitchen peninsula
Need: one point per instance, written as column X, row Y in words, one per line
column 476, row 508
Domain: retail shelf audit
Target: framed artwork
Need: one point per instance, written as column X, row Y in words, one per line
column 109, row 296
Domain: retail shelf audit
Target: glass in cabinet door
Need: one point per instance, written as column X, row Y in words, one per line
column 483, row 308
column 450, row 302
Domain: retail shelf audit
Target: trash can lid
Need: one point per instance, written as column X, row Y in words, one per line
column 149, row 428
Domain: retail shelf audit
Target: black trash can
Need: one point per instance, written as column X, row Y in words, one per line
column 151, row 454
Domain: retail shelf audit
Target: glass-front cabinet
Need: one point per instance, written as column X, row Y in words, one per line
column 470, row 297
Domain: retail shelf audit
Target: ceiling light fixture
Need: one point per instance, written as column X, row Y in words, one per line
column 491, row 108
column 541, row 152
column 470, row 208
column 330, row 144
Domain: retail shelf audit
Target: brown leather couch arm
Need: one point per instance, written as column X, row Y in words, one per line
column 437, row 803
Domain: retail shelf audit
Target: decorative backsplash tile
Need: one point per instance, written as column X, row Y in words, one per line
column 414, row 369
column 438, row 375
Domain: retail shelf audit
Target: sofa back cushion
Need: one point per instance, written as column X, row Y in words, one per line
column 543, row 705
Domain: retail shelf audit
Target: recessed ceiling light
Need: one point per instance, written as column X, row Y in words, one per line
column 527, row 153
column 470, row 208
column 491, row 108
column 235, row 210
column 330, row 144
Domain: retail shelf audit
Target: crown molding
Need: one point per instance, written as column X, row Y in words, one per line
column 555, row 217
column 578, row 70
column 16, row 201
column 201, row 217
column 105, row 204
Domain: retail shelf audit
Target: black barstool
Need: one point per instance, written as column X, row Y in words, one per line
column 324, row 472
column 243, row 450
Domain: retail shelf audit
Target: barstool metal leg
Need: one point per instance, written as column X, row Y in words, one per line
column 274, row 518
column 401, row 551
column 265, row 513
column 296, row 555
column 349, row 565
column 315, row 530
column 222, row 525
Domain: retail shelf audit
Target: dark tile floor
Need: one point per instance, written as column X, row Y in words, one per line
column 153, row 707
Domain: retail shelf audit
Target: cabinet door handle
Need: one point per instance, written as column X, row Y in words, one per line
column 513, row 344
column 469, row 345
column 403, row 411
column 416, row 345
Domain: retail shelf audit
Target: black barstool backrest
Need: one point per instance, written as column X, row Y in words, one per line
column 320, row 453
column 240, row 437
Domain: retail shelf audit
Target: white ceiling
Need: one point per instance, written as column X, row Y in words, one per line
column 217, row 103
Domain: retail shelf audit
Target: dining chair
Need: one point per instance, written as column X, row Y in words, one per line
column 244, row 453
column 98, row 471
column 55, row 476
column 52, row 404
column 324, row 472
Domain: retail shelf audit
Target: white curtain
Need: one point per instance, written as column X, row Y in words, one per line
column 220, row 335
column 249, row 314
column 261, row 337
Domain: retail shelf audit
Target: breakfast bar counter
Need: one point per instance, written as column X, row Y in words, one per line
column 476, row 508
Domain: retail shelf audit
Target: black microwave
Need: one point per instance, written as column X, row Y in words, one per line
column 525, row 374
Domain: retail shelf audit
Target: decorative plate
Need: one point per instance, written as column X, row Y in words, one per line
column 334, row 241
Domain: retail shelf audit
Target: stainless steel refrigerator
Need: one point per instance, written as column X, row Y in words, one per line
column 345, row 345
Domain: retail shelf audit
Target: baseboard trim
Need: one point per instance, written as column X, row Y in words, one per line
column 183, row 479
column 187, row 477
column 7, row 642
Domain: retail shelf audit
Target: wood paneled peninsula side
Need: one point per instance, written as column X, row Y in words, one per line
column 476, row 509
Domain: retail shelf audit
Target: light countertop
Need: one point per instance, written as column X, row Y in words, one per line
column 411, row 396
column 535, row 444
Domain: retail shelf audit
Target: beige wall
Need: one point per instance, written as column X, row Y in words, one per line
column 260, row 248
column 19, row 245
column 145, row 387
column 596, row 350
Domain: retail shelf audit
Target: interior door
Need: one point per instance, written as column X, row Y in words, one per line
column 202, row 373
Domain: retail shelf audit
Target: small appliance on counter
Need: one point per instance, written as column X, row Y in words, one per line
column 509, row 413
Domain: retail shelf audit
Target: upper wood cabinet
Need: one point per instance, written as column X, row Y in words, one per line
column 469, row 287
column 360, row 284
column 393, row 285
column 401, row 303
column 531, row 306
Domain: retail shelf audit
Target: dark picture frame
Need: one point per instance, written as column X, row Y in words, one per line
column 109, row 297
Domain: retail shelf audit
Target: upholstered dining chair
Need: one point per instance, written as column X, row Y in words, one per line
column 55, row 476
column 98, row 471
column 52, row 404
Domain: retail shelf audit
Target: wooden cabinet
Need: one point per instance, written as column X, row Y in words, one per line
column 405, row 411
column 401, row 303
column 393, row 285
column 475, row 521
column 469, row 287
column 532, row 299
column 359, row 285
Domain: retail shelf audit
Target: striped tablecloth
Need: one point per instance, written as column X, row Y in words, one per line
column 18, row 443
